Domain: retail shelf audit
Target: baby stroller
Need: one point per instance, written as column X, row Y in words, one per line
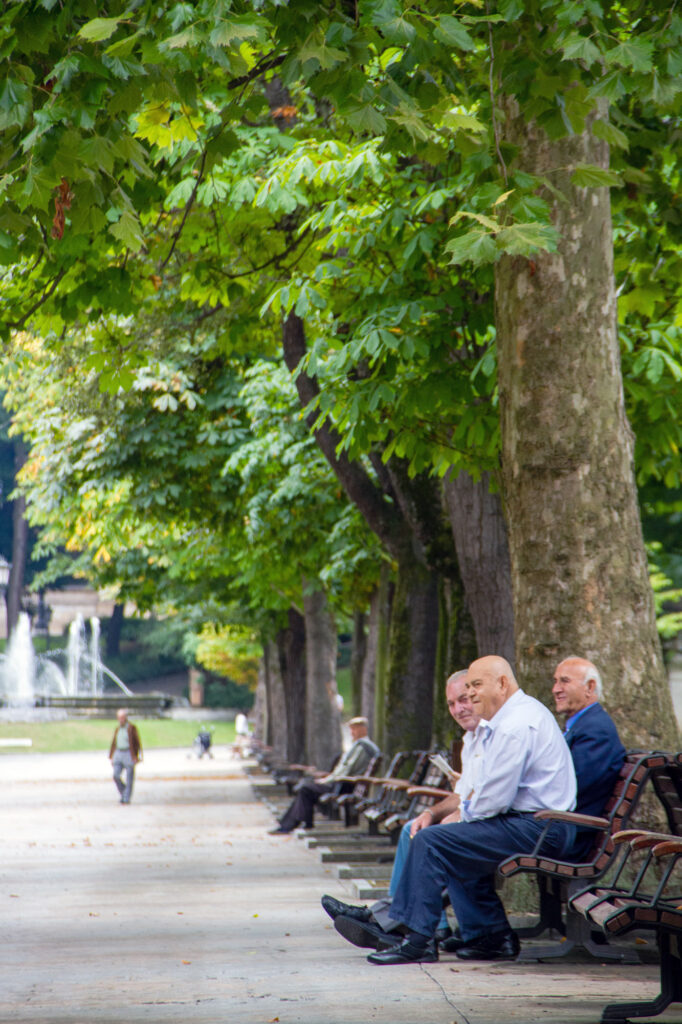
column 202, row 743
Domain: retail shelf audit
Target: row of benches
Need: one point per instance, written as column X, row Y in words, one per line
column 590, row 903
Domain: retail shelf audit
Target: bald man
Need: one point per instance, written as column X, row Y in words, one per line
column 524, row 766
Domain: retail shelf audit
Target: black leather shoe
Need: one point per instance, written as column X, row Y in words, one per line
column 453, row 944
column 279, row 831
column 442, row 934
column 406, row 953
column 335, row 907
column 363, row 933
column 498, row 946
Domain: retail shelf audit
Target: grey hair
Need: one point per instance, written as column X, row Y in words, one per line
column 590, row 671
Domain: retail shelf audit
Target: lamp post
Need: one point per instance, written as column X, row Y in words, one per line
column 5, row 570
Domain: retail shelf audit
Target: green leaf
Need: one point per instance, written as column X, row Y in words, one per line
column 525, row 239
column 591, row 176
column 633, row 53
column 127, row 230
column 451, row 32
column 465, row 122
column 577, row 47
column 99, row 28
column 609, row 133
column 477, row 246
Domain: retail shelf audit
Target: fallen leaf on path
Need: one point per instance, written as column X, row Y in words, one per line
column 186, row 961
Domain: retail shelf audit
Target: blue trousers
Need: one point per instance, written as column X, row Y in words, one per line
column 401, row 851
column 123, row 761
column 463, row 858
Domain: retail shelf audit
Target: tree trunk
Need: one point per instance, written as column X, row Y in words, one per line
column 357, row 660
column 456, row 649
column 411, row 668
column 259, row 714
column 407, row 517
column 15, row 587
column 480, row 535
column 114, row 628
column 323, row 717
column 376, row 659
column 277, row 718
column 579, row 567
column 292, row 659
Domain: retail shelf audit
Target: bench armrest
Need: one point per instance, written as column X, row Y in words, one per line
column 428, row 791
column 668, row 847
column 584, row 820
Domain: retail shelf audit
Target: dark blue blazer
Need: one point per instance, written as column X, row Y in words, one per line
column 598, row 757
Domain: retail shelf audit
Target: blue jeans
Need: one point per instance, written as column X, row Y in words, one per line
column 463, row 858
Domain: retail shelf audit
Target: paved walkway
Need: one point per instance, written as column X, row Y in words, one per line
column 179, row 908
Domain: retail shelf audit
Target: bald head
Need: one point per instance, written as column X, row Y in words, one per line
column 490, row 682
column 577, row 684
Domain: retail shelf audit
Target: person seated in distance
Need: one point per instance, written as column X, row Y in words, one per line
column 309, row 790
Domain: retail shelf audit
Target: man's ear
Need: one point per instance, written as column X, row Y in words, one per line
column 591, row 686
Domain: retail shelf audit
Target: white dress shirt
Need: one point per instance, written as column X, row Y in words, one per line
column 518, row 761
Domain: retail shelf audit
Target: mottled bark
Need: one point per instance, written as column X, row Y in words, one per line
column 414, row 613
column 15, row 587
column 277, row 730
column 259, row 715
column 409, row 523
column 376, row 659
column 322, row 718
column 114, row 630
column 456, row 649
column 579, row 567
column 292, row 662
column 480, row 535
column 357, row 660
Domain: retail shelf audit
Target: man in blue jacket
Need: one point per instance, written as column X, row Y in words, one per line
column 596, row 749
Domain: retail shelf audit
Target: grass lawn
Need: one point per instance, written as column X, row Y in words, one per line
column 76, row 734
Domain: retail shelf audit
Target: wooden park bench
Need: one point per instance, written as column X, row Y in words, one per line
column 558, row 880
column 349, row 790
column 650, row 903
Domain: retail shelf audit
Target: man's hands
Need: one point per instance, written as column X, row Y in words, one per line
column 423, row 821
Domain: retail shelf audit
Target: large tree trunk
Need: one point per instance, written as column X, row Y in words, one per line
column 456, row 649
column 276, row 734
column 114, row 630
column 480, row 535
column 259, row 715
column 15, row 588
column 292, row 659
column 411, row 669
column 357, row 660
column 376, row 657
column 579, row 566
column 323, row 718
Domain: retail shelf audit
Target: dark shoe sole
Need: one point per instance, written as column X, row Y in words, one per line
column 364, row 935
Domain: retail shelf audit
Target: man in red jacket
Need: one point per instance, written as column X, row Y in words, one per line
column 124, row 753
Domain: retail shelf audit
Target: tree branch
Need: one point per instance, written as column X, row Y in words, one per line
column 382, row 517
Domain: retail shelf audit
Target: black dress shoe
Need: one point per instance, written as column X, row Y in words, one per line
column 498, row 946
column 442, row 934
column 279, row 831
column 335, row 907
column 453, row 944
column 363, row 933
column 406, row 953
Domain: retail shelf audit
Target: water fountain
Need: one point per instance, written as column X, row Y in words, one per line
column 71, row 681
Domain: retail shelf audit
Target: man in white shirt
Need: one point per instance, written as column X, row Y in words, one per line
column 446, row 810
column 520, row 764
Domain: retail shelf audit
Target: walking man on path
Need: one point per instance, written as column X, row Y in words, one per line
column 124, row 753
